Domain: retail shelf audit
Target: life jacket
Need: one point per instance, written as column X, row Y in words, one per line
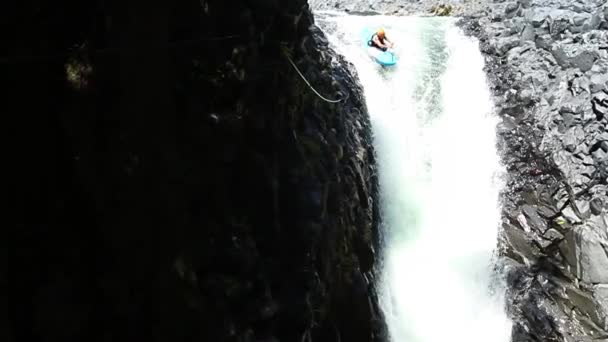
column 371, row 41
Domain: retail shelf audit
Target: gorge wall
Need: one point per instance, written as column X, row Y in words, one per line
column 175, row 178
column 547, row 62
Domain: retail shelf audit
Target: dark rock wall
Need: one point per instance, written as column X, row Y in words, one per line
column 547, row 62
column 175, row 179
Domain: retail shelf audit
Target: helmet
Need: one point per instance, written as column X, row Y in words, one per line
column 380, row 33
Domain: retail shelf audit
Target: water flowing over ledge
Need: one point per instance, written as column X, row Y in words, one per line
column 440, row 176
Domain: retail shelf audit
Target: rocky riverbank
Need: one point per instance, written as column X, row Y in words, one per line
column 547, row 62
column 402, row 8
column 176, row 178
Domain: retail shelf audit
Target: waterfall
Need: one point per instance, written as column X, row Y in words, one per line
column 440, row 177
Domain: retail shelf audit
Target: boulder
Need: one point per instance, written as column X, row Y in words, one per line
column 599, row 110
column 503, row 45
column 511, row 9
column 544, row 42
column 519, row 245
column 584, row 249
column 538, row 16
column 584, row 60
column 601, row 98
column 560, row 56
column 595, row 22
column 577, row 105
column 597, row 82
column 528, row 33
column 558, row 26
column 553, row 235
column 579, row 85
column 571, row 215
column 573, row 137
column 600, row 154
column 600, row 292
column 580, row 19
column 442, row 10
column 596, row 205
column 585, row 303
column 534, row 220
column 524, row 3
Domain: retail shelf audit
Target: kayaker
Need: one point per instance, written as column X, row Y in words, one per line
column 380, row 41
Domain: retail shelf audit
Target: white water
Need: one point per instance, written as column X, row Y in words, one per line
column 434, row 133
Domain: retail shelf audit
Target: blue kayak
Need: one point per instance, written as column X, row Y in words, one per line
column 385, row 58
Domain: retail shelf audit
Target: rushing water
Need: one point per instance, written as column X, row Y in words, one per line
column 434, row 134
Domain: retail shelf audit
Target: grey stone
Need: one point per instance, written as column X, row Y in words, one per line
column 570, row 215
column 588, row 171
column 582, row 248
column 559, row 26
column 579, row 85
column 546, row 211
column 600, row 292
column 544, row 42
column 596, row 205
column 579, row 181
column 503, row 45
column 599, row 110
column 601, row 97
column 597, row 82
column 535, row 221
column 553, row 235
column 587, row 160
column 584, row 60
column 578, row 8
column 516, row 25
column 528, row 33
column 496, row 16
column 563, row 161
column 585, row 302
column 588, row 115
column 524, row 3
column 580, row 19
column 519, row 245
column 600, row 191
column 574, row 104
column 568, row 249
column 511, row 9
column 594, row 23
column 569, row 142
column 599, row 154
column 583, row 206
column 573, row 138
column 560, row 56
column 537, row 17
column 593, row 258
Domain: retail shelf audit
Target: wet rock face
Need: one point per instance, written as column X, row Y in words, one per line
column 178, row 180
column 547, row 64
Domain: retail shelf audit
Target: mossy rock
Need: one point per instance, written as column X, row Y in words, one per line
column 442, row 10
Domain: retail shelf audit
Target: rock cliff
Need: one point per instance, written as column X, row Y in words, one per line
column 547, row 63
column 176, row 178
